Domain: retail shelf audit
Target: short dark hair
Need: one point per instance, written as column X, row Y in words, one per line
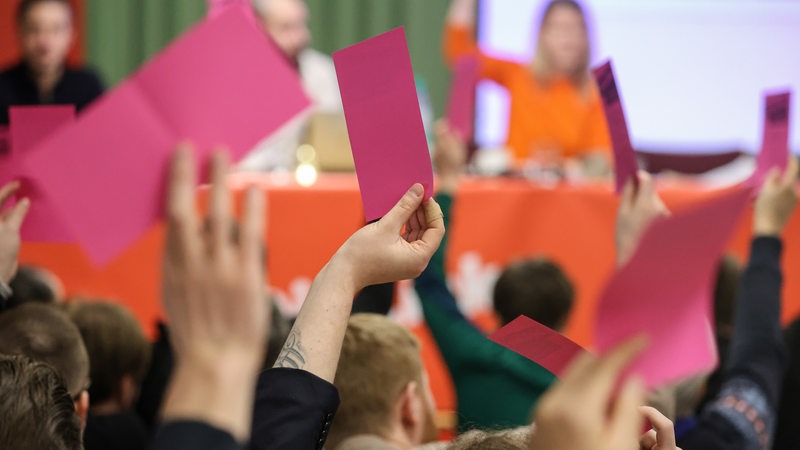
column 45, row 333
column 36, row 409
column 116, row 345
column 536, row 288
column 29, row 285
column 26, row 5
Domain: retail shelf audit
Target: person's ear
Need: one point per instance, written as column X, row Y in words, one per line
column 412, row 413
column 82, row 407
column 126, row 392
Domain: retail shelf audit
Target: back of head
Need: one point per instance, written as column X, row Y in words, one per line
column 45, row 333
column 536, row 288
column 36, row 411
column 379, row 359
column 116, row 345
column 31, row 284
column 513, row 439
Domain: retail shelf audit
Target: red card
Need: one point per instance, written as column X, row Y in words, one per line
column 461, row 105
column 387, row 136
column 106, row 174
column 29, row 125
column 665, row 290
column 625, row 165
column 542, row 345
column 775, row 143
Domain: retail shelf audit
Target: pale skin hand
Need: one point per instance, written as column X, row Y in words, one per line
column 449, row 157
column 462, row 13
column 638, row 208
column 213, row 293
column 661, row 436
column 581, row 411
column 380, row 252
column 10, row 224
column 776, row 201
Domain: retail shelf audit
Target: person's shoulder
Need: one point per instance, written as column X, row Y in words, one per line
column 311, row 57
column 85, row 74
column 11, row 71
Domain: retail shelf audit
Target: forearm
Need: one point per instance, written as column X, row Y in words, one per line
column 462, row 13
column 218, row 393
column 316, row 338
column 757, row 349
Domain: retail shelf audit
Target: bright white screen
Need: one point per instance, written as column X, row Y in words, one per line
column 691, row 72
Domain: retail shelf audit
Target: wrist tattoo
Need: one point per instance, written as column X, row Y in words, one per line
column 292, row 355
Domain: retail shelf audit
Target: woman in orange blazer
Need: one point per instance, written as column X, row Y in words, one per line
column 556, row 111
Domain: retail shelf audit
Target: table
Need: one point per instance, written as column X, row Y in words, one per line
column 495, row 221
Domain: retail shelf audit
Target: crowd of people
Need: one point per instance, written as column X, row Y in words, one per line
column 228, row 371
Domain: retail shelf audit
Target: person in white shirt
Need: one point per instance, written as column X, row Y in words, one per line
column 286, row 22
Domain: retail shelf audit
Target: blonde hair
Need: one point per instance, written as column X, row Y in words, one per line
column 512, row 439
column 378, row 360
column 541, row 66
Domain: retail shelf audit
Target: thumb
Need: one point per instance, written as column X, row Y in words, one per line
column 402, row 211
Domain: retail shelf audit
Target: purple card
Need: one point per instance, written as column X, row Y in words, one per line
column 775, row 143
column 387, row 136
column 625, row 165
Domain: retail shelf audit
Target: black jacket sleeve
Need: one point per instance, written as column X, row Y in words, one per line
column 293, row 410
column 188, row 435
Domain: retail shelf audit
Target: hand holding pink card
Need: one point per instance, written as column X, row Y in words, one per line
column 387, row 136
column 544, row 346
column 774, row 151
column 625, row 165
column 664, row 290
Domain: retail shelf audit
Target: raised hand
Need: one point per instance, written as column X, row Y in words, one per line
column 449, row 156
column 582, row 412
column 638, row 208
column 661, row 436
column 213, row 293
column 10, row 223
column 776, row 201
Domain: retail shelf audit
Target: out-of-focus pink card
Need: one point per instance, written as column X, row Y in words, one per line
column 665, row 289
column 106, row 174
column 544, row 346
column 29, row 126
column 461, row 104
column 775, row 142
column 390, row 149
column 625, row 164
column 218, row 7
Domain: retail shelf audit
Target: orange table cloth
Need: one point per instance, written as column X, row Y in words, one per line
column 495, row 221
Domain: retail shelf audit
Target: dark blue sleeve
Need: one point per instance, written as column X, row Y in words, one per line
column 293, row 410
column 189, row 435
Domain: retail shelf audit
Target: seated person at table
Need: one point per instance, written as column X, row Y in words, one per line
column 42, row 76
column 386, row 400
column 556, row 114
column 495, row 387
column 118, row 357
column 44, row 333
column 36, row 411
column 286, row 22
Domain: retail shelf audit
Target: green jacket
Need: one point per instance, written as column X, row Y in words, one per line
column 495, row 387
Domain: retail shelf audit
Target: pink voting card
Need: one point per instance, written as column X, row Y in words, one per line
column 775, row 144
column 390, row 149
column 218, row 7
column 625, row 164
column 664, row 291
column 29, row 126
column 106, row 174
column 544, row 346
column 461, row 104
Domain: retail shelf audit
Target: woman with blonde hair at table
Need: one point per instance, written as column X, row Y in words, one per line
column 556, row 116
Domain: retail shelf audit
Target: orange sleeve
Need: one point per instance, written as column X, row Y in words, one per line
column 596, row 137
column 459, row 42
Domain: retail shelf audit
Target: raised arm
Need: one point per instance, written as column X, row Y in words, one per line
column 213, row 294
column 746, row 406
column 296, row 400
column 10, row 224
column 638, row 208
